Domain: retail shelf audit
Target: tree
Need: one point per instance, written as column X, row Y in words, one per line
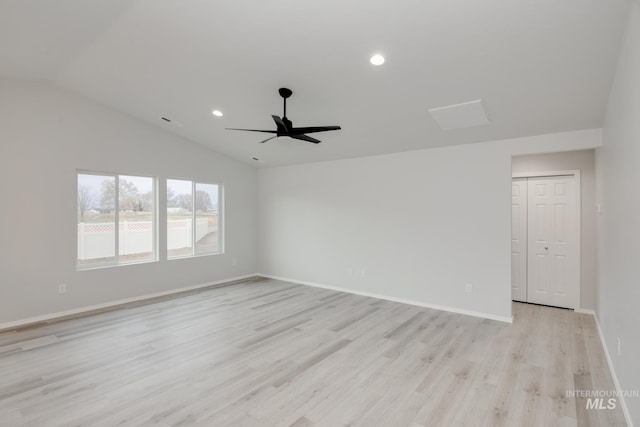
column 146, row 202
column 84, row 200
column 171, row 198
column 108, row 194
column 203, row 201
column 183, row 201
column 128, row 194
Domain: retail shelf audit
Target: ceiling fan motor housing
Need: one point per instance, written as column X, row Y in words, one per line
column 284, row 92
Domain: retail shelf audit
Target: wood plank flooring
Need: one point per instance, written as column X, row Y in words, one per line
column 269, row 353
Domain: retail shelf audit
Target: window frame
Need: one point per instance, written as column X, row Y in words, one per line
column 116, row 218
column 221, row 219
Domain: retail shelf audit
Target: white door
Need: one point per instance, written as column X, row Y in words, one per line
column 519, row 239
column 553, row 266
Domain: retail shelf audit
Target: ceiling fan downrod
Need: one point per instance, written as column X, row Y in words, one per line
column 285, row 93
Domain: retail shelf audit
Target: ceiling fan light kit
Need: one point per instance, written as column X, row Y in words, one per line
column 284, row 126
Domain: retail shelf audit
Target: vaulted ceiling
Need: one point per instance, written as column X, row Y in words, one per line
column 540, row 66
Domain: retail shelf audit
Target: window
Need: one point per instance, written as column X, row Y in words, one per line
column 193, row 218
column 107, row 203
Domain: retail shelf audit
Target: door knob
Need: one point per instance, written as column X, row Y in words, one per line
column 546, row 248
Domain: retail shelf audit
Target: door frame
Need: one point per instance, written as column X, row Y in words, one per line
column 576, row 175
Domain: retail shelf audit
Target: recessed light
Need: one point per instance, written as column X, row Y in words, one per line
column 377, row 59
column 217, row 113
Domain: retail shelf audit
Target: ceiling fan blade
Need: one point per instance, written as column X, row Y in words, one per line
column 280, row 125
column 268, row 139
column 284, row 127
column 253, row 130
column 312, row 129
column 305, row 138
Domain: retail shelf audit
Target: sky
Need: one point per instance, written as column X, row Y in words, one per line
column 144, row 185
column 179, row 186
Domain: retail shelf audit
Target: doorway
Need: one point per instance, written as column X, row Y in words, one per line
column 545, row 238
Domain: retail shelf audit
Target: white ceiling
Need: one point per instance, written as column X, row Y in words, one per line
column 540, row 66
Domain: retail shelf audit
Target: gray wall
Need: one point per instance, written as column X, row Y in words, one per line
column 618, row 172
column 421, row 224
column 45, row 135
column 583, row 160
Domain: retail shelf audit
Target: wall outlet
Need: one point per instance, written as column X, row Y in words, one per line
column 234, row 261
column 350, row 272
column 363, row 273
column 619, row 347
column 468, row 287
column 62, row 288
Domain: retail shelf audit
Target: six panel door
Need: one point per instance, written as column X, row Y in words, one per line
column 519, row 239
column 553, row 267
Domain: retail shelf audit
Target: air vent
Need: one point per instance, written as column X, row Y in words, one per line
column 459, row 116
column 168, row 121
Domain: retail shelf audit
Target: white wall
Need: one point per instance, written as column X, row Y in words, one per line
column 421, row 224
column 584, row 161
column 45, row 134
column 618, row 171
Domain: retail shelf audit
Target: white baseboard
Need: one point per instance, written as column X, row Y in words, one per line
column 53, row 316
column 585, row 311
column 394, row 299
column 625, row 409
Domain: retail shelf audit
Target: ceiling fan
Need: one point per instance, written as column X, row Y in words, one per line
column 284, row 126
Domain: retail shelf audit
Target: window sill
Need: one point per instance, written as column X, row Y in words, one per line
column 193, row 256
column 102, row 266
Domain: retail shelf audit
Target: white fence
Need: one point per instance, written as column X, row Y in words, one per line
column 179, row 232
column 97, row 240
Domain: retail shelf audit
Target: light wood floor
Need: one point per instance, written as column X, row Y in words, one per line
column 263, row 352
